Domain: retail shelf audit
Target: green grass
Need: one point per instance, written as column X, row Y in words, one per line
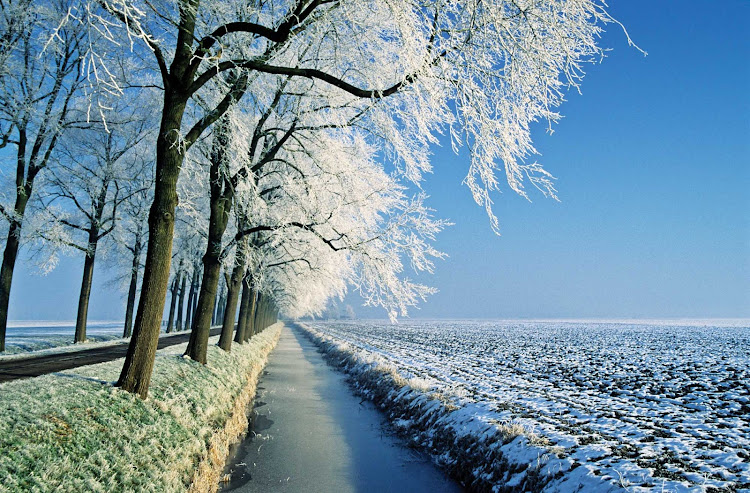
column 74, row 431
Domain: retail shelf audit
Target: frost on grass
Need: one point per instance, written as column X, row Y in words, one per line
column 563, row 406
column 73, row 431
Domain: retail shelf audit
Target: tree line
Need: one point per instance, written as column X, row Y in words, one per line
column 255, row 157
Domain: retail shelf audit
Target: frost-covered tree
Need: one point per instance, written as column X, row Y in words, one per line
column 482, row 70
column 190, row 243
column 339, row 209
column 130, row 239
column 321, row 227
column 14, row 17
column 40, row 77
column 95, row 171
column 348, row 313
column 220, row 301
column 175, row 290
column 312, row 185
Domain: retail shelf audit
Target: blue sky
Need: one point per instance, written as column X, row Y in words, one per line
column 653, row 168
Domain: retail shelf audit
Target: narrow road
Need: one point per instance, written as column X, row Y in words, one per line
column 34, row 366
column 309, row 433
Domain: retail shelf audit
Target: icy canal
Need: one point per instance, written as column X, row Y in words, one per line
column 309, row 433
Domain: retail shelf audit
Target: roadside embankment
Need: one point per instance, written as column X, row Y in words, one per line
column 483, row 456
column 74, row 431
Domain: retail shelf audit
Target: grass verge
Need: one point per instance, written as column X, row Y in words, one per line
column 73, row 431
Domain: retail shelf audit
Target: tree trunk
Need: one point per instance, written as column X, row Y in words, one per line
column 139, row 361
column 6, row 278
column 221, row 204
column 132, row 290
column 258, row 318
column 88, row 263
column 245, row 309
column 191, row 295
column 195, row 298
column 173, row 303
column 198, row 346
column 217, row 315
column 85, row 295
column 267, row 314
column 181, row 303
column 231, row 307
column 250, row 327
column 9, row 261
column 217, row 299
column 222, row 305
column 175, row 293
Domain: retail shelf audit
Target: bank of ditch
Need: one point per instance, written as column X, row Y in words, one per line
column 74, row 431
column 483, row 456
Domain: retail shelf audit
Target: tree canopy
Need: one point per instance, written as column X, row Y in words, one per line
column 294, row 136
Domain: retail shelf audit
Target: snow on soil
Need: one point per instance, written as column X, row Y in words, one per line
column 37, row 340
column 26, row 336
column 642, row 407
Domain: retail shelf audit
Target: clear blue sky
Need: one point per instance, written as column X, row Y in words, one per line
column 653, row 167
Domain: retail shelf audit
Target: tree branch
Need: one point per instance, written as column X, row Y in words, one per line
column 235, row 93
column 309, row 73
column 160, row 60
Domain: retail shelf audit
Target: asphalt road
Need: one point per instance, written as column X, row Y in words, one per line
column 310, row 434
column 34, row 366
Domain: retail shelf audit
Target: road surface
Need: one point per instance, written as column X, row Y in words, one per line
column 33, row 366
column 309, row 433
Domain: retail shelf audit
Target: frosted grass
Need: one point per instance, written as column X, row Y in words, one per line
column 73, row 431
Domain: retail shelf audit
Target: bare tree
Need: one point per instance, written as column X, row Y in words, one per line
column 129, row 241
column 175, row 289
column 40, row 78
column 95, row 172
column 14, row 18
column 190, row 242
column 133, row 234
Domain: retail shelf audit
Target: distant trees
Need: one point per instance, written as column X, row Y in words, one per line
column 96, row 170
column 40, row 77
column 131, row 237
column 334, row 311
column 190, row 242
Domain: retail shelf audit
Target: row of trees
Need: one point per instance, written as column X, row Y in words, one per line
column 273, row 144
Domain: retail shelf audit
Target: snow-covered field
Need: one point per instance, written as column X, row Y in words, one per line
column 34, row 335
column 662, row 406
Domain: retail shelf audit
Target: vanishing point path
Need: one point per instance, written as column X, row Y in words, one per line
column 309, row 433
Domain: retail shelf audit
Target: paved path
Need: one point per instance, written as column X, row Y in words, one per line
column 309, row 433
column 33, row 366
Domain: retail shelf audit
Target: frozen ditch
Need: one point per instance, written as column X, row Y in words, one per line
column 310, row 434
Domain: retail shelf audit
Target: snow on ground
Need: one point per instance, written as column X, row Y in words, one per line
column 44, row 338
column 23, row 336
column 73, row 431
column 638, row 406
